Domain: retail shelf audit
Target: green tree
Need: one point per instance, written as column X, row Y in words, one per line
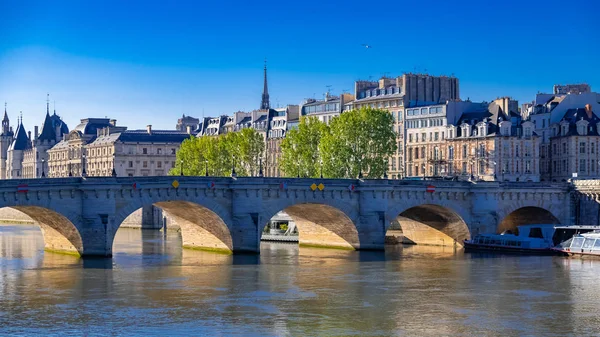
column 300, row 155
column 217, row 154
column 358, row 141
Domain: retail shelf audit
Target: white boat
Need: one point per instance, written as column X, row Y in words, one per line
column 530, row 239
column 586, row 244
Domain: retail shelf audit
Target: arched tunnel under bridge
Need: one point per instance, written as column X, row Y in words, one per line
column 529, row 215
column 320, row 225
column 430, row 225
column 59, row 233
column 200, row 227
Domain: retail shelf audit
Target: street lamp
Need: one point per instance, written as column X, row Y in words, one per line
column 423, row 167
column 233, row 174
column 181, row 168
column 43, row 174
column 321, row 163
column 114, row 172
column 83, row 173
column 260, row 170
column 70, row 172
column 206, row 168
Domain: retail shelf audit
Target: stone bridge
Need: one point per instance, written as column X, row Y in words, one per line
column 82, row 215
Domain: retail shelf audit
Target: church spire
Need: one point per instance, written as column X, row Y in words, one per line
column 48, row 104
column 265, row 96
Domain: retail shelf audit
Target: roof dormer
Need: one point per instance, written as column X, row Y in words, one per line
column 582, row 127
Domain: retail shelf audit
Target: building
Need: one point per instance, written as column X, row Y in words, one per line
column 6, row 138
column 26, row 156
column 328, row 108
column 549, row 109
column 574, row 145
column 394, row 94
column 576, row 89
column 98, row 147
column 67, row 157
column 492, row 144
column 426, row 127
column 185, row 121
column 134, row 152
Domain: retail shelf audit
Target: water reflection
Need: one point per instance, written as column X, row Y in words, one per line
column 152, row 286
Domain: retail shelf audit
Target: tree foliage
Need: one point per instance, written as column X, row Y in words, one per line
column 300, row 154
column 218, row 154
column 356, row 141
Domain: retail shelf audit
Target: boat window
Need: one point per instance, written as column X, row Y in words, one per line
column 588, row 244
column 597, row 245
column 577, row 242
column 535, row 232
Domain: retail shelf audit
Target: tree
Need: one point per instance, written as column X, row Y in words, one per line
column 358, row 141
column 300, row 154
column 219, row 154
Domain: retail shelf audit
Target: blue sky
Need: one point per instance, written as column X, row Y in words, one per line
column 148, row 62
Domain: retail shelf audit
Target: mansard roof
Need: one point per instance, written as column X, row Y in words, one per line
column 49, row 127
column 572, row 116
column 142, row 136
column 21, row 140
column 89, row 126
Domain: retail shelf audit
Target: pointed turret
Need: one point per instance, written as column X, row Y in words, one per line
column 21, row 141
column 48, row 129
column 5, row 123
column 265, row 96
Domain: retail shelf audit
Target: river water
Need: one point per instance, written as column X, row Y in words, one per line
column 153, row 287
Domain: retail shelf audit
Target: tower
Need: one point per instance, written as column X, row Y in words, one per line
column 5, row 140
column 265, row 96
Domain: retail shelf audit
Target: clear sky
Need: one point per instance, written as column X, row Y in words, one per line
column 148, row 62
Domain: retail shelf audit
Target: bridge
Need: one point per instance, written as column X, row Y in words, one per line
column 81, row 215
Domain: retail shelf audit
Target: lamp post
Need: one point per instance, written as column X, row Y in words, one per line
column 70, row 172
column 114, row 171
column 181, row 168
column 43, row 174
column 233, row 174
column 321, row 163
column 260, row 170
column 206, row 168
column 83, row 173
column 423, row 167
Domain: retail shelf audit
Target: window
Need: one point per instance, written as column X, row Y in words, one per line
column 423, row 136
column 464, row 151
column 144, row 151
column 410, row 152
column 517, row 151
column 581, row 165
column 172, row 151
column 592, row 147
column 464, row 168
column 159, row 164
column 423, row 152
column 145, row 164
column 564, row 146
column 130, row 164
column 581, row 147
column 592, row 166
column 528, row 167
column 159, row 151
column 417, row 153
column 451, row 153
column 410, row 138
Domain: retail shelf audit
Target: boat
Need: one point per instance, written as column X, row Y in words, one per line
column 529, row 239
column 584, row 245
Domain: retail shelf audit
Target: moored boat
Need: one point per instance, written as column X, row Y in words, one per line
column 584, row 245
column 529, row 239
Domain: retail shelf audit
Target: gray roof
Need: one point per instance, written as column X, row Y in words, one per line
column 142, row 136
column 21, row 140
column 89, row 126
column 50, row 125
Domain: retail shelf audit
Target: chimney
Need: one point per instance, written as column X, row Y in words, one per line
column 35, row 132
column 113, row 122
column 29, row 134
column 149, row 129
column 588, row 110
column 189, row 129
column 57, row 130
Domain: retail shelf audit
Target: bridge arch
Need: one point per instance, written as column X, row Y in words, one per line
column 525, row 215
column 58, row 228
column 321, row 224
column 431, row 223
column 204, row 222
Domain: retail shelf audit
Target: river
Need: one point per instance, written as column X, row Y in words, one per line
column 154, row 287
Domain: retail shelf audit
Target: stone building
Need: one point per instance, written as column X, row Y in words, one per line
column 26, row 156
column 560, row 89
column 185, row 121
column 494, row 144
column 574, row 145
column 394, row 94
column 6, row 139
column 98, row 147
column 326, row 109
column 67, row 157
column 549, row 109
